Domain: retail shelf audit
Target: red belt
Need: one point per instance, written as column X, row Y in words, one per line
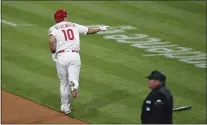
column 62, row 51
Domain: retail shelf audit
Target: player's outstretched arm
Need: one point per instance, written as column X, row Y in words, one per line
column 93, row 30
column 97, row 29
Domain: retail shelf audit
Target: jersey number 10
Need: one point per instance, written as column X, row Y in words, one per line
column 68, row 34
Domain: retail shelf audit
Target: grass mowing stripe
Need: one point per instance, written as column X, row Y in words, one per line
column 33, row 65
column 114, row 70
column 158, row 17
column 36, row 87
column 178, row 33
column 163, row 9
column 104, row 98
column 104, row 79
column 193, row 41
column 182, row 85
column 136, row 85
column 131, row 58
column 120, row 111
column 27, row 41
column 101, row 118
column 110, row 49
column 30, row 45
column 141, row 86
column 113, row 52
column 104, row 90
column 30, row 7
column 16, row 21
column 195, row 113
column 142, row 20
column 31, row 38
column 190, row 6
column 42, row 57
column 99, row 17
column 28, row 76
column 37, row 94
column 93, row 104
column 74, row 15
column 33, row 18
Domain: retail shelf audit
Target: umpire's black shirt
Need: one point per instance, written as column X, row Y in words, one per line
column 158, row 107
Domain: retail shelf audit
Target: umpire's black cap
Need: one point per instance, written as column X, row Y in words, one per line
column 157, row 75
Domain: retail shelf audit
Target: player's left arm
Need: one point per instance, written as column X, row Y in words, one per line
column 93, row 30
column 90, row 30
column 96, row 29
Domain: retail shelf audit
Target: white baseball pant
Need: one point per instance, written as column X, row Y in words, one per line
column 68, row 68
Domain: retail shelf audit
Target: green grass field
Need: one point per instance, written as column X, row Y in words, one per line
column 112, row 78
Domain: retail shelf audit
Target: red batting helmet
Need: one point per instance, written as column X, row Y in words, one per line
column 59, row 15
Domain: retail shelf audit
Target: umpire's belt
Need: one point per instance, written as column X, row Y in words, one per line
column 74, row 51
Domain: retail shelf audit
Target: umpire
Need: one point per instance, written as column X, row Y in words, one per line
column 158, row 105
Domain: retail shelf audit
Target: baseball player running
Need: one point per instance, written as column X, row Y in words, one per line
column 64, row 44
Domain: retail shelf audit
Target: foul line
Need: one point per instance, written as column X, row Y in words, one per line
column 9, row 23
column 15, row 25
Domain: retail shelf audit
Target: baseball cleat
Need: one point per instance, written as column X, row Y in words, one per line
column 65, row 111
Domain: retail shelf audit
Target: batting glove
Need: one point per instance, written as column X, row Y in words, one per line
column 103, row 28
column 54, row 57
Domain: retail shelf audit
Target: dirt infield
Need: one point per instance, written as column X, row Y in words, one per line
column 16, row 110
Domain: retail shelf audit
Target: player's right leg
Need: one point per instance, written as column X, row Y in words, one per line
column 64, row 87
column 73, row 74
